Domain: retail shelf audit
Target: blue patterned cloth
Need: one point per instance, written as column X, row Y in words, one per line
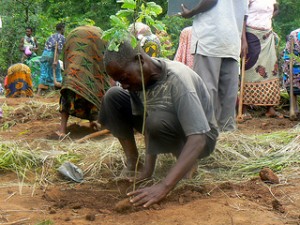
column 46, row 77
column 46, row 60
column 57, row 37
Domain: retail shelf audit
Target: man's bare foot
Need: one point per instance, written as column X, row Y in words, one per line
column 95, row 125
column 272, row 113
column 132, row 170
column 60, row 134
column 190, row 175
column 140, row 176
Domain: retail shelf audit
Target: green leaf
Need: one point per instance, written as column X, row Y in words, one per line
column 109, row 34
column 153, row 7
column 149, row 20
column 113, row 46
column 159, row 26
column 115, row 20
column 129, row 4
column 134, row 41
column 125, row 13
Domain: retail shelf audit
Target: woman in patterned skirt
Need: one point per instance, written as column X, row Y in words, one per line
column 262, row 85
column 84, row 81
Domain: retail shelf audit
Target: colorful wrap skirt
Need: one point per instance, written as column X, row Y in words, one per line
column 46, row 77
column 84, row 79
column 18, row 82
column 35, row 67
column 262, row 85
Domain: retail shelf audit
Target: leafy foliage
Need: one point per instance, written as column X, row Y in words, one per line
column 131, row 11
column 287, row 20
column 42, row 16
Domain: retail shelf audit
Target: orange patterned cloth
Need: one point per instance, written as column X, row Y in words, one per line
column 18, row 82
column 183, row 53
column 84, row 79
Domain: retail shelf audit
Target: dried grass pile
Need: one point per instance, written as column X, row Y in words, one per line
column 239, row 157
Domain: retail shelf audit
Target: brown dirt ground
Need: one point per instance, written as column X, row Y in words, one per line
column 250, row 202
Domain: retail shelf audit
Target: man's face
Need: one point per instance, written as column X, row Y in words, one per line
column 128, row 75
column 28, row 32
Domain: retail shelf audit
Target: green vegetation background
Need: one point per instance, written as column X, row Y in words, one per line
column 43, row 15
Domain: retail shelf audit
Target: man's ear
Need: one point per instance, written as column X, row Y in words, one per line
column 138, row 57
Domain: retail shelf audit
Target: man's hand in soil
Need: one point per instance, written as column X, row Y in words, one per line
column 149, row 195
column 192, row 149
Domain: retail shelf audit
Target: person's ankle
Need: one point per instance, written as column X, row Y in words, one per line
column 133, row 165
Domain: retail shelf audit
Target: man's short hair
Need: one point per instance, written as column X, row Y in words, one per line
column 60, row 26
column 29, row 28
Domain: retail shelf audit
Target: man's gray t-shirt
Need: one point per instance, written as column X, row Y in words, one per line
column 181, row 92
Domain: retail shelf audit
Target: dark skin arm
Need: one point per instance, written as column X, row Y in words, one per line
column 188, row 157
column 244, row 47
column 203, row 6
column 36, row 45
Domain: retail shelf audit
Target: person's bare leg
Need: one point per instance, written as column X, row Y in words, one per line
column 131, row 152
column 63, row 124
column 271, row 112
column 148, row 168
column 39, row 92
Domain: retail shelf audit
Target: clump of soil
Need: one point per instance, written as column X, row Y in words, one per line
column 123, row 205
column 90, row 217
column 268, row 176
column 278, row 206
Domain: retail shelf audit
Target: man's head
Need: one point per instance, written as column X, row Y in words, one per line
column 124, row 66
column 28, row 31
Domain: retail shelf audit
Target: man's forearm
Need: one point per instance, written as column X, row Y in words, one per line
column 203, row 6
column 187, row 159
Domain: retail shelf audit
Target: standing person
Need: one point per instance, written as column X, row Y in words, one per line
column 28, row 45
column 216, row 45
column 84, row 80
column 183, row 53
column 48, row 63
column 262, row 85
column 294, row 37
column 179, row 115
